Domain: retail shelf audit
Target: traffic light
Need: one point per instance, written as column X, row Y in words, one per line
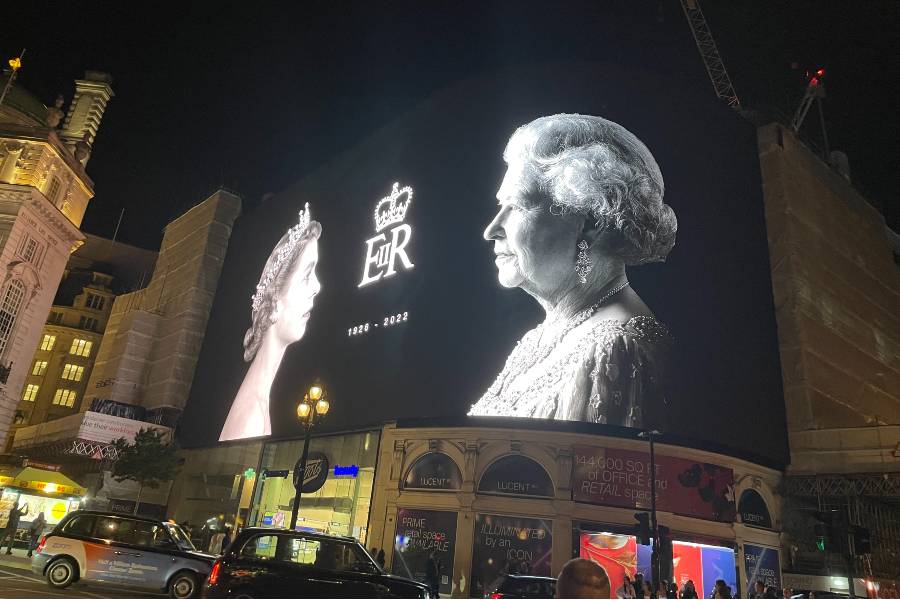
column 862, row 540
column 831, row 531
column 643, row 532
column 666, row 557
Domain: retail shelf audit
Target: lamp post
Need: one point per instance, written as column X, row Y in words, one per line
column 654, row 527
column 313, row 406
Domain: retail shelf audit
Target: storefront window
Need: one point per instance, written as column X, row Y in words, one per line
column 341, row 505
column 621, row 555
column 419, row 534
column 516, row 475
column 509, row 545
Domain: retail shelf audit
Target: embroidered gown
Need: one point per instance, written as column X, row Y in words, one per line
column 611, row 373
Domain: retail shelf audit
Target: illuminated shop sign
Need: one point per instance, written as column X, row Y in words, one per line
column 433, row 471
column 386, row 252
column 346, row 470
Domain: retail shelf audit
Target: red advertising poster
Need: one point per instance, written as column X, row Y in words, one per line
column 617, row 554
column 687, row 565
column 615, row 477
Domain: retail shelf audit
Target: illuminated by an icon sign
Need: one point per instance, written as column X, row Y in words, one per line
column 387, row 251
column 348, row 470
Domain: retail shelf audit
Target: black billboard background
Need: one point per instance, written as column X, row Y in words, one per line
column 714, row 292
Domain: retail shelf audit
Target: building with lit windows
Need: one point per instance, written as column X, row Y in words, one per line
column 44, row 192
column 97, row 272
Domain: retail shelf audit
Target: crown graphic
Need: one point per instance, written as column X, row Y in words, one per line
column 295, row 234
column 392, row 209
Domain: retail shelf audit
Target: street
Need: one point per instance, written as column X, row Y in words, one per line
column 17, row 581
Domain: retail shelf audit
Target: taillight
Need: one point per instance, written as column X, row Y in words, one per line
column 40, row 545
column 496, row 595
column 214, row 573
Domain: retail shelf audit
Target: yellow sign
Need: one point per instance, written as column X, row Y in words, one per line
column 58, row 511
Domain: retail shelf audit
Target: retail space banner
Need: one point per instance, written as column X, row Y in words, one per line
column 509, row 545
column 419, row 533
column 762, row 564
column 614, row 477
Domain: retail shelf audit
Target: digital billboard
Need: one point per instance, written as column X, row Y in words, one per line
column 559, row 242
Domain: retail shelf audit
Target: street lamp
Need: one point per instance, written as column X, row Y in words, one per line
column 654, row 527
column 313, row 406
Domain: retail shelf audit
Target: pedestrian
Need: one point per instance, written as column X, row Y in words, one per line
column 582, row 578
column 648, row 590
column 433, row 574
column 12, row 524
column 626, row 590
column 35, row 531
column 226, row 539
column 722, row 590
column 672, row 590
column 380, row 558
column 758, row 591
column 688, row 590
column 662, row 590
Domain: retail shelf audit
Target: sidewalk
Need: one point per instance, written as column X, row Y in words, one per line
column 17, row 560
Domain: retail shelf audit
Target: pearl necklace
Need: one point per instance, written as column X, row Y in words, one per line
column 530, row 352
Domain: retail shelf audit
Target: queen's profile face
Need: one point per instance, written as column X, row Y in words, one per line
column 296, row 300
column 533, row 247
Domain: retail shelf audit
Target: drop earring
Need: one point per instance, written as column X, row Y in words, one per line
column 583, row 265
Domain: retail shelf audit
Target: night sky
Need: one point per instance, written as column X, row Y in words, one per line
column 255, row 95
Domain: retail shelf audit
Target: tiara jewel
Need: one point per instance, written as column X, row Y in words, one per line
column 295, row 234
column 392, row 209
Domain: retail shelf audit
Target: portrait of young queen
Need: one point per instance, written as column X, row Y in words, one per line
column 582, row 200
column 280, row 310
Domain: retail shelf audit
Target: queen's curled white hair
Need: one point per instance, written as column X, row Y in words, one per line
column 594, row 167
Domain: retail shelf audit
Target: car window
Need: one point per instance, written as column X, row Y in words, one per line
column 550, row 589
column 324, row 554
column 81, row 525
column 133, row 532
column 180, row 537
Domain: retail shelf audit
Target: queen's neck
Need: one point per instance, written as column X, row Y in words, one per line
column 574, row 296
column 264, row 367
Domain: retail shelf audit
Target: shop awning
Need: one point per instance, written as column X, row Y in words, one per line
column 40, row 480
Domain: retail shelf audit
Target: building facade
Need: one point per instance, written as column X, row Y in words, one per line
column 44, row 192
column 97, row 272
column 837, row 290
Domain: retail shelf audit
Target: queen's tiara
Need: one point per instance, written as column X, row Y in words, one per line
column 295, row 234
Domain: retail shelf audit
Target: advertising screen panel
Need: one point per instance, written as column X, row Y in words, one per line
column 606, row 263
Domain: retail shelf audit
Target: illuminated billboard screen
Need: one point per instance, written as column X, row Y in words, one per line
column 562, row 242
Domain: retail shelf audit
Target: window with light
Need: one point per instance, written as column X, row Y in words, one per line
column 47, row 342
column 64, row 397
column 81, row 347
column 9, row 310
column 40, row 367
column 31, row 392
column 72, row 372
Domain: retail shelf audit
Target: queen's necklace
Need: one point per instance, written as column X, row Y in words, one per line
column 529, row 351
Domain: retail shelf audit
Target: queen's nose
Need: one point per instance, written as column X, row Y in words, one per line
column 494, row 230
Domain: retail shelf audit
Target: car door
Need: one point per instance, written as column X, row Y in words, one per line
column 267, row 566
column 129, row 558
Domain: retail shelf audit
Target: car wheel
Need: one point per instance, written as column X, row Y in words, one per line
column 243, row 593
column 183, row 585
column 61, row 572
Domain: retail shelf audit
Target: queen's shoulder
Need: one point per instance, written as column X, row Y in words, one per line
column 642, row 328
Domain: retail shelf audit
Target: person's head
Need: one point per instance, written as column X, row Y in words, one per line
column 647, row 587
column 689, row 585
column 573, row 178
column 287, row 288
column 626, row 580
column 760, row 587
column 787, row 592
column 582, row 578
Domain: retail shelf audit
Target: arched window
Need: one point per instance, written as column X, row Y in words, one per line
column 753, row 510
column 433, row 471
column 9, row 310
column 516, row 475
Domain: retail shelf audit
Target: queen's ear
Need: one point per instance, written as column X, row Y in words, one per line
column 276, row 312
column 591, row 229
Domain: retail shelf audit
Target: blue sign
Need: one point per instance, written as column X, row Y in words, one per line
column 267, row 520
column 761, row 564
column 348, row 470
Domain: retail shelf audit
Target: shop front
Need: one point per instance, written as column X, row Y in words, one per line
column 500, row 499
column 37, row 488
column 337, row 484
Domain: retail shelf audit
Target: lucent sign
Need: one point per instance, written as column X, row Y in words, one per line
column 386, row 252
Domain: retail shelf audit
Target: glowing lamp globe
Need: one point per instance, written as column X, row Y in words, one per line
column 303, row 410
column 322, row 407
column 315, row 393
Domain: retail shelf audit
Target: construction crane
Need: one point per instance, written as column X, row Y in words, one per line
column 815, row 91
column 710, row 53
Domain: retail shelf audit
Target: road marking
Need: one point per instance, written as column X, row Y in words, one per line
column 32, row 592
column 19, row 576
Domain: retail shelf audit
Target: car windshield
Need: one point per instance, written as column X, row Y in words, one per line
column 180, row 537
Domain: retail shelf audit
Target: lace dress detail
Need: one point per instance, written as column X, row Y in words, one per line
column 611, row 374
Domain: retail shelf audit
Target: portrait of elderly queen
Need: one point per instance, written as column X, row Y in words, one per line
column 582, row 200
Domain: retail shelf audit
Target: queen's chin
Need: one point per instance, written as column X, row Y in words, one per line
column 508, row 273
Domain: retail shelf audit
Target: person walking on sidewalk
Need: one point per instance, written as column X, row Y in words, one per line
column 35, row 531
